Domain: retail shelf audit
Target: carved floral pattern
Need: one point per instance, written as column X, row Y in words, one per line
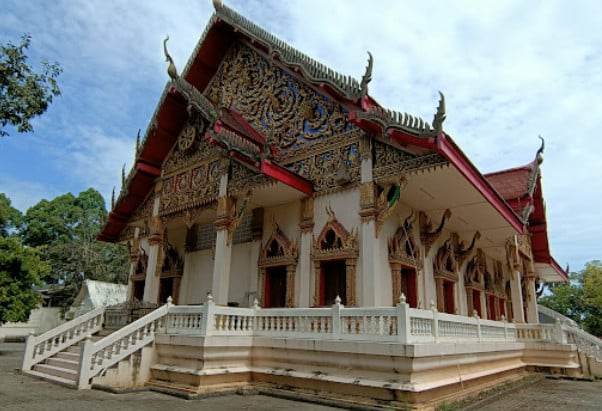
column 280, row 107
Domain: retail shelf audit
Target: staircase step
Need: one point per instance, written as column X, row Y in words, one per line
column 73, row 349
column 173, row 386
column 56, row 371
column 67, row 355
column 63, row 363
column 66, row 382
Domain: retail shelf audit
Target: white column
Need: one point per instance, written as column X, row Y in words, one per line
column 517, row 298
column 151, row 282
column 223, row 249
column 304, row 271
column 531, row 300
column 253, row 272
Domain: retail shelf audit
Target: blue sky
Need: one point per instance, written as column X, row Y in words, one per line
column 510, row 70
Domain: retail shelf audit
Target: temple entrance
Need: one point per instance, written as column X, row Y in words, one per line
column 333, row 282
column 138, row 290
column 476, row 302
column 275, row 287
column 408, row 285
column 448, row 297
column 166, row 289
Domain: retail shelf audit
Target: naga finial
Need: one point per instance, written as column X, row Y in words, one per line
column 539, row 155
column 217, row 4
column 123, row 176
column 113, row 199
column 440, row 115
column 138, row 142
column 367, row 77
column 171, row 69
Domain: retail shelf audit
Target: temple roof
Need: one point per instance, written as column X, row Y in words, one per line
column 244, row 142
column 521, row 188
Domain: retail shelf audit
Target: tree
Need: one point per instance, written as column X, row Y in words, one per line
column 580, row 299
column 24, row 94
column 20, row 269
column 10, row 217
column 67, row 227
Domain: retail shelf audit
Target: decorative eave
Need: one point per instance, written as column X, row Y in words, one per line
column 403, row 131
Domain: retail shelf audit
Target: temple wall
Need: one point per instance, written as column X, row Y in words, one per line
column 287, row 218
column 196, row 281
column 240, row 274
column 346, row 206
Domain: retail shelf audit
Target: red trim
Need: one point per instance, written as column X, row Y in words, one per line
column 563, row 274
column 468, row 170
column 286, row 176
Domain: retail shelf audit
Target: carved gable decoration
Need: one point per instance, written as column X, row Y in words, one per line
column 173, row 265
column 278, row 250
column 475, row 270
column 403, row 247
column 390, row 161
column 335, row 241
column 288, row 112
column 445, row 262
column 196, row 184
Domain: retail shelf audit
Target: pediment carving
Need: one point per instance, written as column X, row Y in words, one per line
column 446, row 265
column 403, row 247
column 475, row 271
column 335, row 241
column 278, row 249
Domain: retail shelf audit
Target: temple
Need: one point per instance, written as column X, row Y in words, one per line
column 296, row 233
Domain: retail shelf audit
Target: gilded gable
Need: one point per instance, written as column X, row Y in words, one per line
column 288, row 112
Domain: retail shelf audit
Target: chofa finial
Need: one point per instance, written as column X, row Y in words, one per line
column 171, row 69
column 539, row 155
column 217, row 4
column 367, row 77
column 440, row 114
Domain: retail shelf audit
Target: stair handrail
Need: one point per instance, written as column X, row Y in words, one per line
column 40, row 347
column 96, row 357
column 584, row 341
column 555, row 314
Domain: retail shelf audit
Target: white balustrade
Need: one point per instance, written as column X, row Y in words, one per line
column 399, row 324
column 38, row 348
column 95, row 357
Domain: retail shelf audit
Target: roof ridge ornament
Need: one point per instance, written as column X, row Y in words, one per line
column 440, row 115
column 217, row 4
column 367, row 77
column 539, row 154
column 171, row 69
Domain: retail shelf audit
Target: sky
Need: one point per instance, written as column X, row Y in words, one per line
column 510, row 71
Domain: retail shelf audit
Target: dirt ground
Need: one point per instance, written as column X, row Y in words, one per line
column 20, row 392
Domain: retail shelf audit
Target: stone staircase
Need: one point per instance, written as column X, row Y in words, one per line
column 62, row 368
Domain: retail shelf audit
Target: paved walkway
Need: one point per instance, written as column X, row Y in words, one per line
column 549, row 394
column 20, row 392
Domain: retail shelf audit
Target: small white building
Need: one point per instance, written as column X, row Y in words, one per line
column 95, row 294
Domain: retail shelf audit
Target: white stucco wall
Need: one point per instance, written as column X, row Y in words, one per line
column 197, row 277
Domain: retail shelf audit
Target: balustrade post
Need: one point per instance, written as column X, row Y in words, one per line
column 435, row 326
column 336, row 317
column 30, row 345
column 403, row 320
column 256, row 308
column 85, row 358
column 475, row 314
column 559, row 334
column 505, row 327
column 208, row 310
